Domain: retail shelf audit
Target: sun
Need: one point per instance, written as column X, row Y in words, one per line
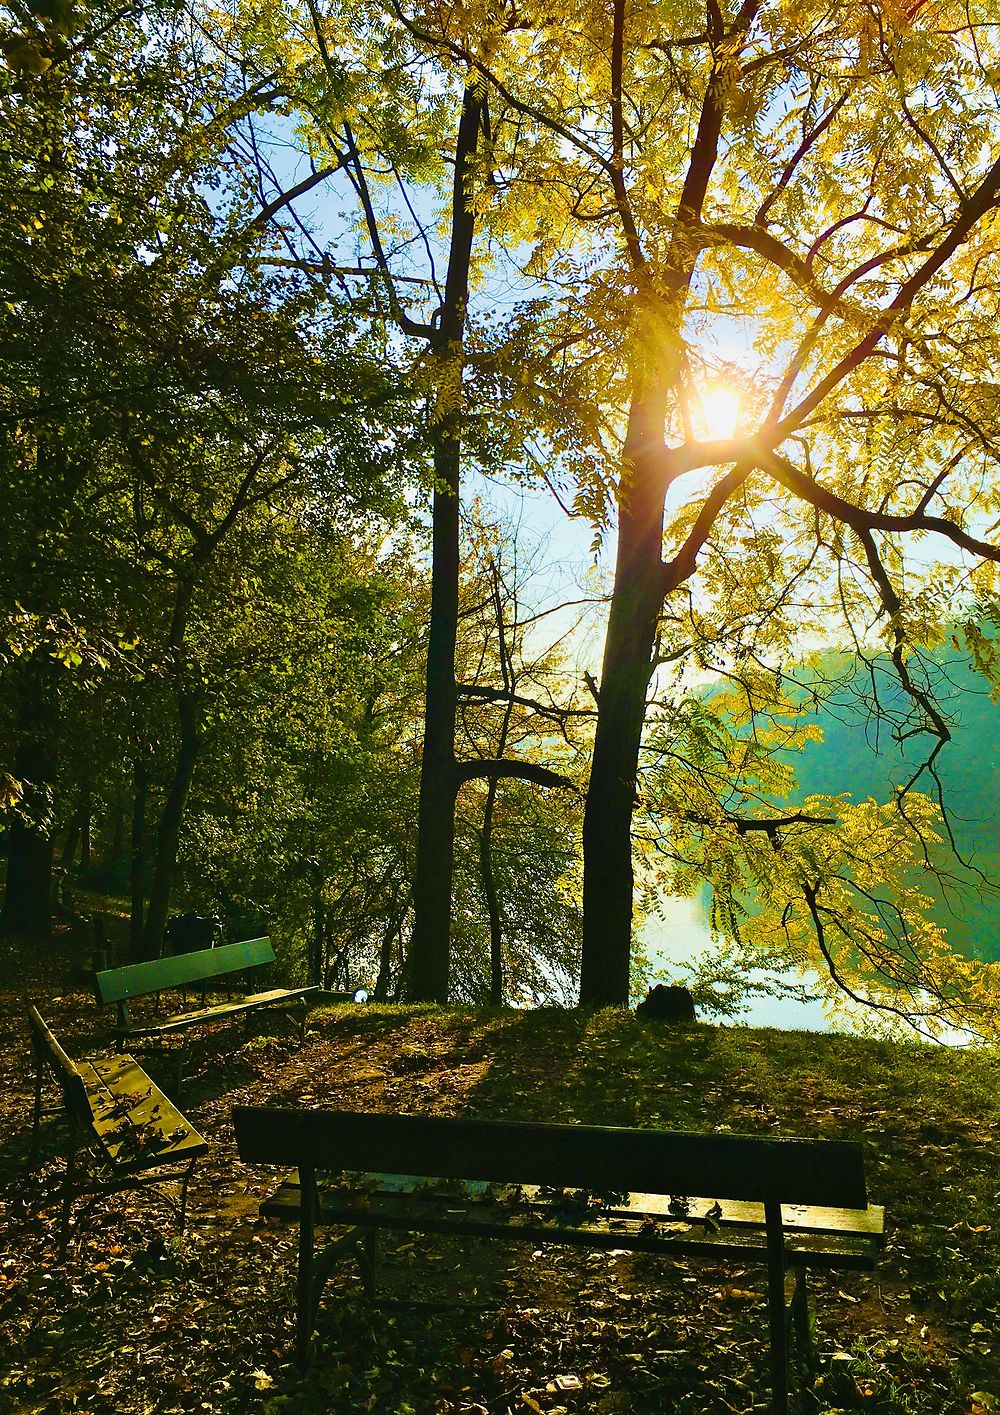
column 720, row 411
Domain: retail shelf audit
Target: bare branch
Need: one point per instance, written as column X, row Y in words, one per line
column 524, row 771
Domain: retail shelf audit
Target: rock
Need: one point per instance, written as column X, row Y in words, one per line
column 665, row 1003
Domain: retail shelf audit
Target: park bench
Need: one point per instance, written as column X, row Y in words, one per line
column 131, row 1136
column 209, row 965
column 790, row 1205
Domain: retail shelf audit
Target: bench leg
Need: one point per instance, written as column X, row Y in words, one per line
column 776, row 1309
column 182, row 1212
column 36, row 1118
column 798, row 1317
column 305, row 1312
column 67, row 1200
column 368, row 1261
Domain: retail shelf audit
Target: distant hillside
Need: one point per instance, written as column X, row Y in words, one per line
column 859, row 757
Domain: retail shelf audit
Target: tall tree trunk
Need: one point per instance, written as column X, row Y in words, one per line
column 640, row 582
column 317, row 943
column 27, row 905
column 636, row 602
column 490, row 892
column 116, row 846
column 78, row 830
column 489, row 809
column 429, row 958
column 394, row 923
column 169, row 828
column 72, row 841
column 85, row 833
column 137, row 867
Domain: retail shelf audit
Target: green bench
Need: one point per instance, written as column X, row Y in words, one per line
column 184, row 970
column 790, row 1205
column 131, row 1135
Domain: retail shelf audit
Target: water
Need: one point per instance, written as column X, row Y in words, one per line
column 682, row 936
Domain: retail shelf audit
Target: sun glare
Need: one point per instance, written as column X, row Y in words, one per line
column 720, row 411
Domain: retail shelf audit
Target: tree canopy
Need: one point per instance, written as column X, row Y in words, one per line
column 722, row 280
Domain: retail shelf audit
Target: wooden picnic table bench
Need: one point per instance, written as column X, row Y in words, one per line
column 788, row 1204
column 184, row 970
column 134, row 1136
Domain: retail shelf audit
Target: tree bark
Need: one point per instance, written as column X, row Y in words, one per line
column 27, row 905
column 492, row 899
column 640, row 586
column 72, row 841
column 169, row 827
column 429, row 956
column 636, row 602
column 137, row 867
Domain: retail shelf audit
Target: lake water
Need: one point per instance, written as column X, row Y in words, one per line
column 682, row 936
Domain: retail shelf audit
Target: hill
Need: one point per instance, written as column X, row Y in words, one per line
column 859, row 757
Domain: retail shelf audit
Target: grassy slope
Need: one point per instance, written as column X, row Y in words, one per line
column 206, row 1319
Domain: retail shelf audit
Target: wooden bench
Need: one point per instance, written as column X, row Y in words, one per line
column 788, row 1204
column 209, row 965
column 135, row 1138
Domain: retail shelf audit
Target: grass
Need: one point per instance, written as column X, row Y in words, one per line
column 553, row 1330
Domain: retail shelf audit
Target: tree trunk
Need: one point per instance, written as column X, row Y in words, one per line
column 169, row 828
column 390, row 934
column 636, row 602
column 27, row 905
column 85, row 834
column 137, row 868
column 429, row 956
column 317, row 943
column 490, row 892
column 116, row 847
column 72, row 841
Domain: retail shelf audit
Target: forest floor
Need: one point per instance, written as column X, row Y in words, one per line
column 138, row 1320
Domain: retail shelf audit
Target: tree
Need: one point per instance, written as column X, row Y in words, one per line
column 161, row 395
column 517, row 872
column 798, row 203
column 379, row 113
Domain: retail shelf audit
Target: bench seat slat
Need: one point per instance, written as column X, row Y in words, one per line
column 401, row 1209
column 179, row 1021
column 866, row 1223
column 137, row 1137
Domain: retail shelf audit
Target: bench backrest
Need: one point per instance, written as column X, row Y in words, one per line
column 49, row 1053
column 829, row 1173
column 180, row 970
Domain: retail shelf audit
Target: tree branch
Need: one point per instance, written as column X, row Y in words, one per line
column 503, row 695
column 524, row 771
column 860, row 519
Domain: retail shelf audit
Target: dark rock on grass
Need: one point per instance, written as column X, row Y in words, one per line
column 666, row 1003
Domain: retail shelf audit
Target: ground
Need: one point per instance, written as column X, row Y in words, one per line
column 139, row 1319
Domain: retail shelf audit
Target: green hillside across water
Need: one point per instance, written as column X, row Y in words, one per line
column 859, row 755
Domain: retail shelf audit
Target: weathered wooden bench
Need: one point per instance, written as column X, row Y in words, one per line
column 132, row 1134
column 788, row 1204
column 209, row 965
